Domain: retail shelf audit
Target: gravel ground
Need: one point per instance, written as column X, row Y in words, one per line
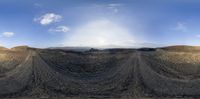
column 36, row 73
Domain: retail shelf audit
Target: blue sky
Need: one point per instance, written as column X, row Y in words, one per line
column 96, row 23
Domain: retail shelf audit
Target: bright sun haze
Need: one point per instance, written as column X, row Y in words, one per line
column 100, row 33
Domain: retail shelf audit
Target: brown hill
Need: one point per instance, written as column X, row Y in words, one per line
column 182, row 48
column 3, row 48
column 20, row 48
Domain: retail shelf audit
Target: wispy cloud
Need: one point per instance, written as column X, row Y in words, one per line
column 115, row 4
column 37, row 5
column 180, row 26
column 7, row 34
column 114, row 7
column 48, row 18
column 62, row 29
column 198, row 35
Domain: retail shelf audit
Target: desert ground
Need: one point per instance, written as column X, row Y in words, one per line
column 168, row 72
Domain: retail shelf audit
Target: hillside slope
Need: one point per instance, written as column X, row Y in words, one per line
column 128, row 73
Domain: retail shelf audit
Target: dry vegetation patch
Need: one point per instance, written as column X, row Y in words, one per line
column 10, row 59
column 179, row 57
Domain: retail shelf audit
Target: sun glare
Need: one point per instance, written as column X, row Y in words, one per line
column 100, row 33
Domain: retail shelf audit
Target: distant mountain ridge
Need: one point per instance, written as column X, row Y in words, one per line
column 82, row 49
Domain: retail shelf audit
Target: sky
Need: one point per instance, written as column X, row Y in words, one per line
column 99, row 23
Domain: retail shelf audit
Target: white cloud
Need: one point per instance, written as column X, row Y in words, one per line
column 180, row 27
column 8, row 34
column 48, row 18
column 62, row 29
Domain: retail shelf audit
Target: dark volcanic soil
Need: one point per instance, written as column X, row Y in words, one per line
column 46, row 73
